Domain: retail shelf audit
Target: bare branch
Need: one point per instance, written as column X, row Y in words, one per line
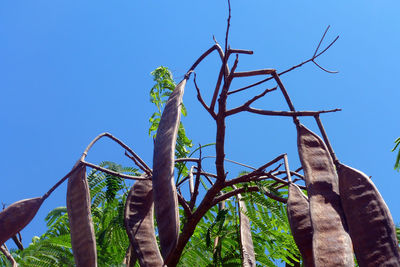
column 200, row 98
column 258, row 172
column 187, row 160
column 286, row 113
column 253, row 73
column 197, row 182
column 8, row 255
column 235, row 162
column 240, row 51
column 248, row 103
column 312, row 59
column 326, row 139
column 184, row 205
column 205, row 54
column 142, row 164
column 246, row 190
column 125, row 176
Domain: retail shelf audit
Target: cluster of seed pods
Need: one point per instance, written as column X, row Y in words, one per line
column 344, row 212
column 343, row 215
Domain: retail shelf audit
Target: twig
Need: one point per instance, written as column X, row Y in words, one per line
column 253, row 73
column 257, row 172
column 7, row 254
column 201, row 58
column 18, row 242
column 76, row 166
column 125, row 176
column 187, row 160
column 235, row 162
column 248, row 103
column 200, row 98
column 142, row 164
column 227, row 27
column 245, row 190
column 184, row 205
column 287, row 169
column 240, row 51
column 312, row 59
column 150, row 173
column 326, row 139
column 279, row 113
column 197, row 182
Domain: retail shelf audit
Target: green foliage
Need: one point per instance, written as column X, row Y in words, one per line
column 159, row 94
column 397, row 163
column 108, row 196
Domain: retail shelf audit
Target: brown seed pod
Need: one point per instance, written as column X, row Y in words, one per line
column 331, row 242
column 246, row 240
column 16, row 216
column 298, row 210
column 139, row 224
column 83, row 240
column 164, row 189
column 370, row 224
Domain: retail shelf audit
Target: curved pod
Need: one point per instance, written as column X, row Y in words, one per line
column 369, row 220
column 139, row 224
column 298, row 210
column 246, row 240
column 83, row 240
column 16, row 216
column 331, row 243
column 164, row 189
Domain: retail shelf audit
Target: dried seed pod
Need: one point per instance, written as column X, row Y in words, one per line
column 164, row 189
column 246, row 240
column 298, row 210
column 370, row 224
column 331, row 242
column 139, row 224
column 83, row 240
column 16, row 216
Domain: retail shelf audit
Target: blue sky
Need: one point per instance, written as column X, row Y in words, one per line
column 73, row 69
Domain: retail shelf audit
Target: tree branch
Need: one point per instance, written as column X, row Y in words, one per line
column 312, row 59
column 248, row 103
column 8, row 255
column 282, row 113
column 185, row 206
column 246, row 190
column 114, row 173
column 200, row 98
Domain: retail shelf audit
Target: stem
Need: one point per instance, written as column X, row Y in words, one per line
column 326, row 139
column 125, row 176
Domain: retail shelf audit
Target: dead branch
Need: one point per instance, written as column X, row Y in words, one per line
column 257, row 173
column 280, row 113
column 312, row 59
column 8, row 255
column 143, row 166
column 246, row 190
column 114, row 173
column 193, row 198
column 185, row 206
column 200, row 98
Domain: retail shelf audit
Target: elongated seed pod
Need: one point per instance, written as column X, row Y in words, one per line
column 370, row 224
column 246, row 240
column 331, row 242
column 164, row 189
column 139, row 224
column 83, row 240
column 16, row 216
column 298, row 210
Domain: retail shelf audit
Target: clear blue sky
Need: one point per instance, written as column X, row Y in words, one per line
column 73, row 69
